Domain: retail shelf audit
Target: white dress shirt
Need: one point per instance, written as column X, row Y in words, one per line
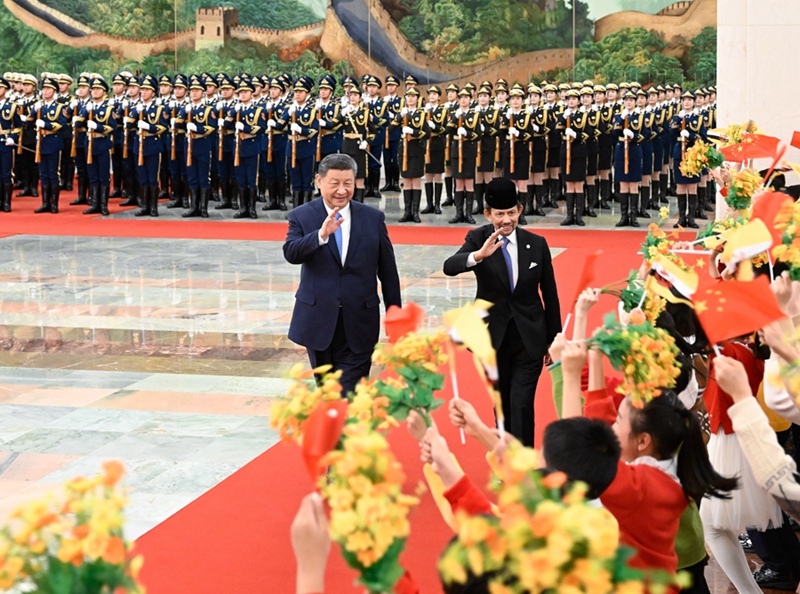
column 345, row 212
column 512, row 252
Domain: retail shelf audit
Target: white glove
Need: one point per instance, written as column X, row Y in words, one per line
column 318, row 103
column 240, row 126
column 292, row 109
column 140, row 108
column 238, row 107
column 172, row 123
column 91, row 124
column 348, row 109
column 37, row 106
column 221, row 123
column 40, row 123
column 535, row 127
column 408, row 130
column 363, row 145
column 462, row 131
column 483, row 128
column 75, row 120
column 172, row 104
column 220, row 105
column 191, row 127
column 271, row 123
column 428, row 107
column 73, row 104
column 9, row 141
column 572, row 134
column 684, row 133
column 142, row 125
column 125, row 103
column 322, row 123
column 529, row 110
column 404, row 112
column 628, row 133
column 512, row 131
column 431, row 124
column 296, row 128
column 89, row 106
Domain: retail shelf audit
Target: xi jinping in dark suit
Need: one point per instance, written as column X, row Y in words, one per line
column 344, row 249
column 514, row 272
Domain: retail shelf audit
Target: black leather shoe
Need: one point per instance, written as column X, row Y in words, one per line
column 769, row 579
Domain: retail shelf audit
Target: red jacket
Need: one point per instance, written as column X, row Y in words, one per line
column 717, row 401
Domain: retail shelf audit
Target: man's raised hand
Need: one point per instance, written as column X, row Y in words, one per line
column 330, row 225
column 489, row 247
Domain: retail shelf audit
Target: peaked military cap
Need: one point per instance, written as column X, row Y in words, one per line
column 392, row 80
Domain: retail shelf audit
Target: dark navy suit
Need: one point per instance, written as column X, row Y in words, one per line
column 336, row 314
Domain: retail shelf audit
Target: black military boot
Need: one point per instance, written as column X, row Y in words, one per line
column 144, row 194
column 117, row 193
column 416, row 198
column 81, row 199
column 177, row 192
column 272, row 192
column 663, row 185
column 700, row 212
column 428, row 198
column 369, row 190
column 261, row 192
column 358, row 195
column 644, row 201
column 244, row 210
column 469, row 197
column 711, row 196
column 570, row 219
column 449, row 185
column 681, row 212
column 552, row 192
column 280, row 190
column 407, row 202
column 205, row 195
column 132, row 192
column 580, row 208
column 528, row 210
column 395, row 179
column 538, row 199
column 624, row 217
column 376, row 183
column 251, row 201
column 690, row 222
column 104, row 194
column 8, row 190
column 632, row 198
column 605, row 191
column 387, row 187
column 437, row 198
column 480, row 190
column 94, row 201
column 45, row 207
column 591, row 200
column 654, row 190
column 154, row 202
column 194, row 207
column 459, row 202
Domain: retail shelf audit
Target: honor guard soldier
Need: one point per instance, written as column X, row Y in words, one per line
column 534, row 199
column 164, row 99
column 126, row 113
column 552, row 180
column 276, row 139
column 380, row 121
column 516, row 127
column 465, row 129
column 348, row 82
column 592, row 150
column 575, row 127
column 177, row 144
column 78, row 137
column 434, row 166
column 451, row 105
column 212, row 96
column 687, row 128
column 97, row 118
column 152, row 120
column 629, row 131
column 249, row 123
column 118, row 85
column 301, row 116
column 394, row 103
column 648, row 152
column 27, row 171
column 329, row 117
column 10, row 126
column 225, row 109
column 605, row 141
column 48, row 117
column 413, row 123
column 357, row 132
column 67, row 167
column 488, row 147
column 199, row 121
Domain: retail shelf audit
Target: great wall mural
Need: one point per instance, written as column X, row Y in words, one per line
column 435, row 40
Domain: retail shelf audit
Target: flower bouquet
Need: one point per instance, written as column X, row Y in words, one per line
column 636, row 299
column 645, row 355
column 72, row 542
column 699, row 157
column 788, row 251
column 742, row 187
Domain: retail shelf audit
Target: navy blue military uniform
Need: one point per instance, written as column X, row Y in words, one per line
column 49, row 118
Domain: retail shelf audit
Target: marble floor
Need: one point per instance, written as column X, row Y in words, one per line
column 164, row 354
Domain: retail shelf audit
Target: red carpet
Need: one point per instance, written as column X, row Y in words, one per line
column 235, row 538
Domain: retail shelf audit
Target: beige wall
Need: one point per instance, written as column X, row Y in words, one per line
column 757, row 47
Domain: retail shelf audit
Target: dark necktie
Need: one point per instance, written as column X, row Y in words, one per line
column 509, row 266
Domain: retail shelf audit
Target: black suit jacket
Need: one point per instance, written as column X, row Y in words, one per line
column 326, row 285
column 538, row 317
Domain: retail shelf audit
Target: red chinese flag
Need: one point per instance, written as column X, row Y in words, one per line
column 321, row 432
column 588, row 274
column 796, row 139
column 767, row 208
column 727, row 309
column 400, row 321
column 754, row 146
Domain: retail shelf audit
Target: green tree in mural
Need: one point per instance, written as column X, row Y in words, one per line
column 702, row 56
